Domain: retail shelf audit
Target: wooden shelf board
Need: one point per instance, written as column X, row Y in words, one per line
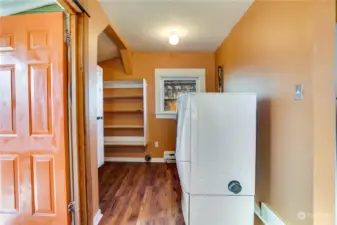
column 124, row 126
column 123, row 111
column 124, row 144
column 124, row 141
column 123, row 84
column 124, row 97
column 131, row 152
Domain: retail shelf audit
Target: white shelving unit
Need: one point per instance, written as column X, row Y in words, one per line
column 127, row 140
column 124, row 141
column 124, row 126
column 124, row 84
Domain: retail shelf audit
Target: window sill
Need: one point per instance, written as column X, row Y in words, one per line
column 166, row 115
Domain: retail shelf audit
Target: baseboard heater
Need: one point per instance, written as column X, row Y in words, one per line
column 170, row 156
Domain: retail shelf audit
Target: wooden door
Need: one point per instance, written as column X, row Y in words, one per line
column 34, row 184
column 100, row 122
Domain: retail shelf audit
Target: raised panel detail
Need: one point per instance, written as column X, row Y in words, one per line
column 43, row 184
column 37, row 40
column 9, row 193
column 40, row 112
column 7, row 100
column 6, row 43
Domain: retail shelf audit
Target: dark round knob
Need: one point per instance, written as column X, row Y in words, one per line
column 147, row 158
column 235, row 187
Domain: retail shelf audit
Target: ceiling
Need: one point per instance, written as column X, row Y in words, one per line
column 8, row 7
column 145, row 25
column 202, row 25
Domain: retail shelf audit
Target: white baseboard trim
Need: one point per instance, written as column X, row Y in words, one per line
column 266, row 215
column 158, row 160
column 100, row 164
column 132, row 159
column 257, row 212
column 98, row 217
column 269, row 216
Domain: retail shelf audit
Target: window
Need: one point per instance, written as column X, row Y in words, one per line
column 173, row 88
column 170, row 83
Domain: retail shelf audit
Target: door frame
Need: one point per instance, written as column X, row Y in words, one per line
column 76, row 85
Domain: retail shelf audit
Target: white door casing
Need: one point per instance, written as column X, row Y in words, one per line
column 100, row 121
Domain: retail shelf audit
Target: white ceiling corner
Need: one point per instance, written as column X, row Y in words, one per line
column 106, row 48
column 9, row 7
column 201, row 24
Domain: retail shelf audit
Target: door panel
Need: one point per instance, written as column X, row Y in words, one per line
column 43, row 185
column 9, row 199
column 7, row 100
column 33, row 101
column 39, row 99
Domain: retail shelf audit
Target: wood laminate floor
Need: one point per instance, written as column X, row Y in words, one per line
column 140, row 194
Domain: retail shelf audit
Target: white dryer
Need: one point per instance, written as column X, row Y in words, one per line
column 215, row 157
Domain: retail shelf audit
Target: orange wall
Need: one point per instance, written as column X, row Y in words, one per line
column 276, row 45
column 144, row 64
column 324, row 111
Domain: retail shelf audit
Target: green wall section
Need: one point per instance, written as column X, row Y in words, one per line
column 43, row 9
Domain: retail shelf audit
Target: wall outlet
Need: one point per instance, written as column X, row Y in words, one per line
column 156, row 144
column 298, row 92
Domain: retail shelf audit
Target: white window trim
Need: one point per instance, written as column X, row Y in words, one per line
column 161, row 74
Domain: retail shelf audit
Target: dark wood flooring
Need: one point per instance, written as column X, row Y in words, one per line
column 140, row 194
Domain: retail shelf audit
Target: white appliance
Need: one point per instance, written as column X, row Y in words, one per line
column 215, row 157
column 100, row 122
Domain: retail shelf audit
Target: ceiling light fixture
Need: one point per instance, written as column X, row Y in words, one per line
column 174, row 39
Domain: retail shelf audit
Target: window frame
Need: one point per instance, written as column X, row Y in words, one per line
column 174, row 74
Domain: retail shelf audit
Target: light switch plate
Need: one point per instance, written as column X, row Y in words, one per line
column 298, row 92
